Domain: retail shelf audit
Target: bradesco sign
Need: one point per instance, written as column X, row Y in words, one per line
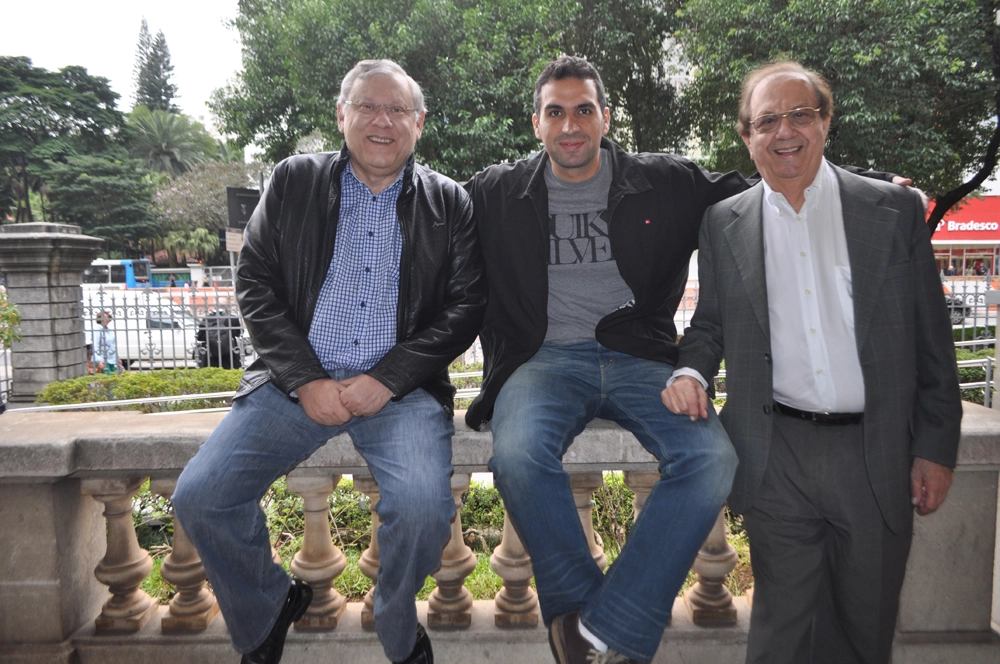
column 977, row 221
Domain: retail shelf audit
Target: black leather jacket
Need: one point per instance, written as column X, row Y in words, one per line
column 655, row 206
column 287, row 248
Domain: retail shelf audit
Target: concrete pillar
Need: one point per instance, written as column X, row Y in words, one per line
column 43, row 264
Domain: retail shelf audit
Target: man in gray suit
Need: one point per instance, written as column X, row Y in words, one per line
column 820, row 290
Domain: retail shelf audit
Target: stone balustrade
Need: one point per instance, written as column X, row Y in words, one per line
column 71, row 567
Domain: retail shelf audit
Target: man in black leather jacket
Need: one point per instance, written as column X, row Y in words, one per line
column 360, row 280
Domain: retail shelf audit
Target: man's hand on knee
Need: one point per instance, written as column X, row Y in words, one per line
column 322, row 403
column 686, row 396
column 364, row 395
column 929, row 484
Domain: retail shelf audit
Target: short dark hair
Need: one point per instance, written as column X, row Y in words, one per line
column 824, row 95
column 569, row 66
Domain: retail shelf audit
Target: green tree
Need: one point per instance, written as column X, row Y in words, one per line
column 166, row 142
column 47, row 115
column 197, row 199
column 915, row 83
column 476, row 62
column 152, row 72
column 109, row 195
column 199, row 243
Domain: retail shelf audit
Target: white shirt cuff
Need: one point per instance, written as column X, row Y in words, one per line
column 686, row 371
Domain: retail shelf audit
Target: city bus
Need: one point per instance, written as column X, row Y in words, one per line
column 119, row 273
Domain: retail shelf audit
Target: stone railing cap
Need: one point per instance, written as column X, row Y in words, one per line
column 47, row 446
column 37, row 227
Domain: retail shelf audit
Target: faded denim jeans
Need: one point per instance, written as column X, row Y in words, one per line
column 407, row 446
column 541, row 408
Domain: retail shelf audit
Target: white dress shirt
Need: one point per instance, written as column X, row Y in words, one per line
column 810, row 305
column 809, row 300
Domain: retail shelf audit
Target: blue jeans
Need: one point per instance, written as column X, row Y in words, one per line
column 540, row 410
column 407, row 446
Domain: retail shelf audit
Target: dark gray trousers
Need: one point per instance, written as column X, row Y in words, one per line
column 827, row 570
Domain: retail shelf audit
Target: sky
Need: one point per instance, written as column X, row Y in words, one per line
column 101, row 35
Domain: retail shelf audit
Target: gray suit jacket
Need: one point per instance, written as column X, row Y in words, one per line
column 912, row 402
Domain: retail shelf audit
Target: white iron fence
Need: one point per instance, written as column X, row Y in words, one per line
column 168, row 328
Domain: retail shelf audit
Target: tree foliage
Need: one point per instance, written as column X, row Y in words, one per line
column 152, row 72
column 631, row 44
column 169, row 143
column 476, row 62
column 197, row 199
column 108, row 195
column 47, row 115
column 913, row 81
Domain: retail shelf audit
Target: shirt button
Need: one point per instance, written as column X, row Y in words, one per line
column 374, row 198
column 355, row 342
column 370, row 233
column 819, row 372
column 368, row 269
column 813, row 330
column 798, row 218
column 802, row 253
column 362, row 305
column 808, row 292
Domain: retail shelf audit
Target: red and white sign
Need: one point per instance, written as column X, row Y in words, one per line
column 975, row 221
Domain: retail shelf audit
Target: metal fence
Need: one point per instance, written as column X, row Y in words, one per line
column 166, row 328
column 197, row 326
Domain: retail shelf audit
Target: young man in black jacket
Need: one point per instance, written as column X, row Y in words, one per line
column 360, row 280
column 586, row 250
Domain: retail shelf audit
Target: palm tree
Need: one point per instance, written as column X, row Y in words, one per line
column 200, row 243
column 168, row 142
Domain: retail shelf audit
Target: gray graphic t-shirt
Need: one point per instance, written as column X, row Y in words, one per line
column 584, row 283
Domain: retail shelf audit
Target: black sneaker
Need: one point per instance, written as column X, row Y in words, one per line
column 269, row 652
column 422, row 653
column 570, row 647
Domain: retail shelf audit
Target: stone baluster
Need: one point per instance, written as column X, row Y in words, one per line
column 516, row 603
column 193, row 607
column 450, row 604
column 319, row 561
column 583, row 486
column 125, row 564
column 641, row 485
column 368, row 563
column 709, row 600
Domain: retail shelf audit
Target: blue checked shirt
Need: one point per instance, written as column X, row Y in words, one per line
column 354, row 324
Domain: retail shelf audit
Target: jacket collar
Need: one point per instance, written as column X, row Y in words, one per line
column 626, row 175
column 340, row 163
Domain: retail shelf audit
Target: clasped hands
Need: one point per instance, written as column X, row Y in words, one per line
column 332, row 402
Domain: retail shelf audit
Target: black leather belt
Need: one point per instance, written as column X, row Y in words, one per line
column 829, row 419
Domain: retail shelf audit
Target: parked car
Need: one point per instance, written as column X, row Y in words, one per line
column 150, row 330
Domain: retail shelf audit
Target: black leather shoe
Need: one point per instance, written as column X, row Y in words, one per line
column 269, row 652
column 422, row 653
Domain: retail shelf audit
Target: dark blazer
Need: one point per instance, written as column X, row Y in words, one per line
column 912, row 402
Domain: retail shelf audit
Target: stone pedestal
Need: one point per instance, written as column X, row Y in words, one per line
column 43, row 264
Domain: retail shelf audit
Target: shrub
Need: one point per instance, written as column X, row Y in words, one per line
column 974, row 374
column 135, row 385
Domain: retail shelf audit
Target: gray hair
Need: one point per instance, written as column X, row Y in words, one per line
column 368, row 68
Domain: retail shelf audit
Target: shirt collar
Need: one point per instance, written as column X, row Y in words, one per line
column 820, row 184
column 349, row 179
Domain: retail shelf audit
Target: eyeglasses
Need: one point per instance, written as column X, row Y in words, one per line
column 766, row 123
column 394, row 111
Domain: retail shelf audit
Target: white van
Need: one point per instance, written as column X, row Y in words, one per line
column 150, row 330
